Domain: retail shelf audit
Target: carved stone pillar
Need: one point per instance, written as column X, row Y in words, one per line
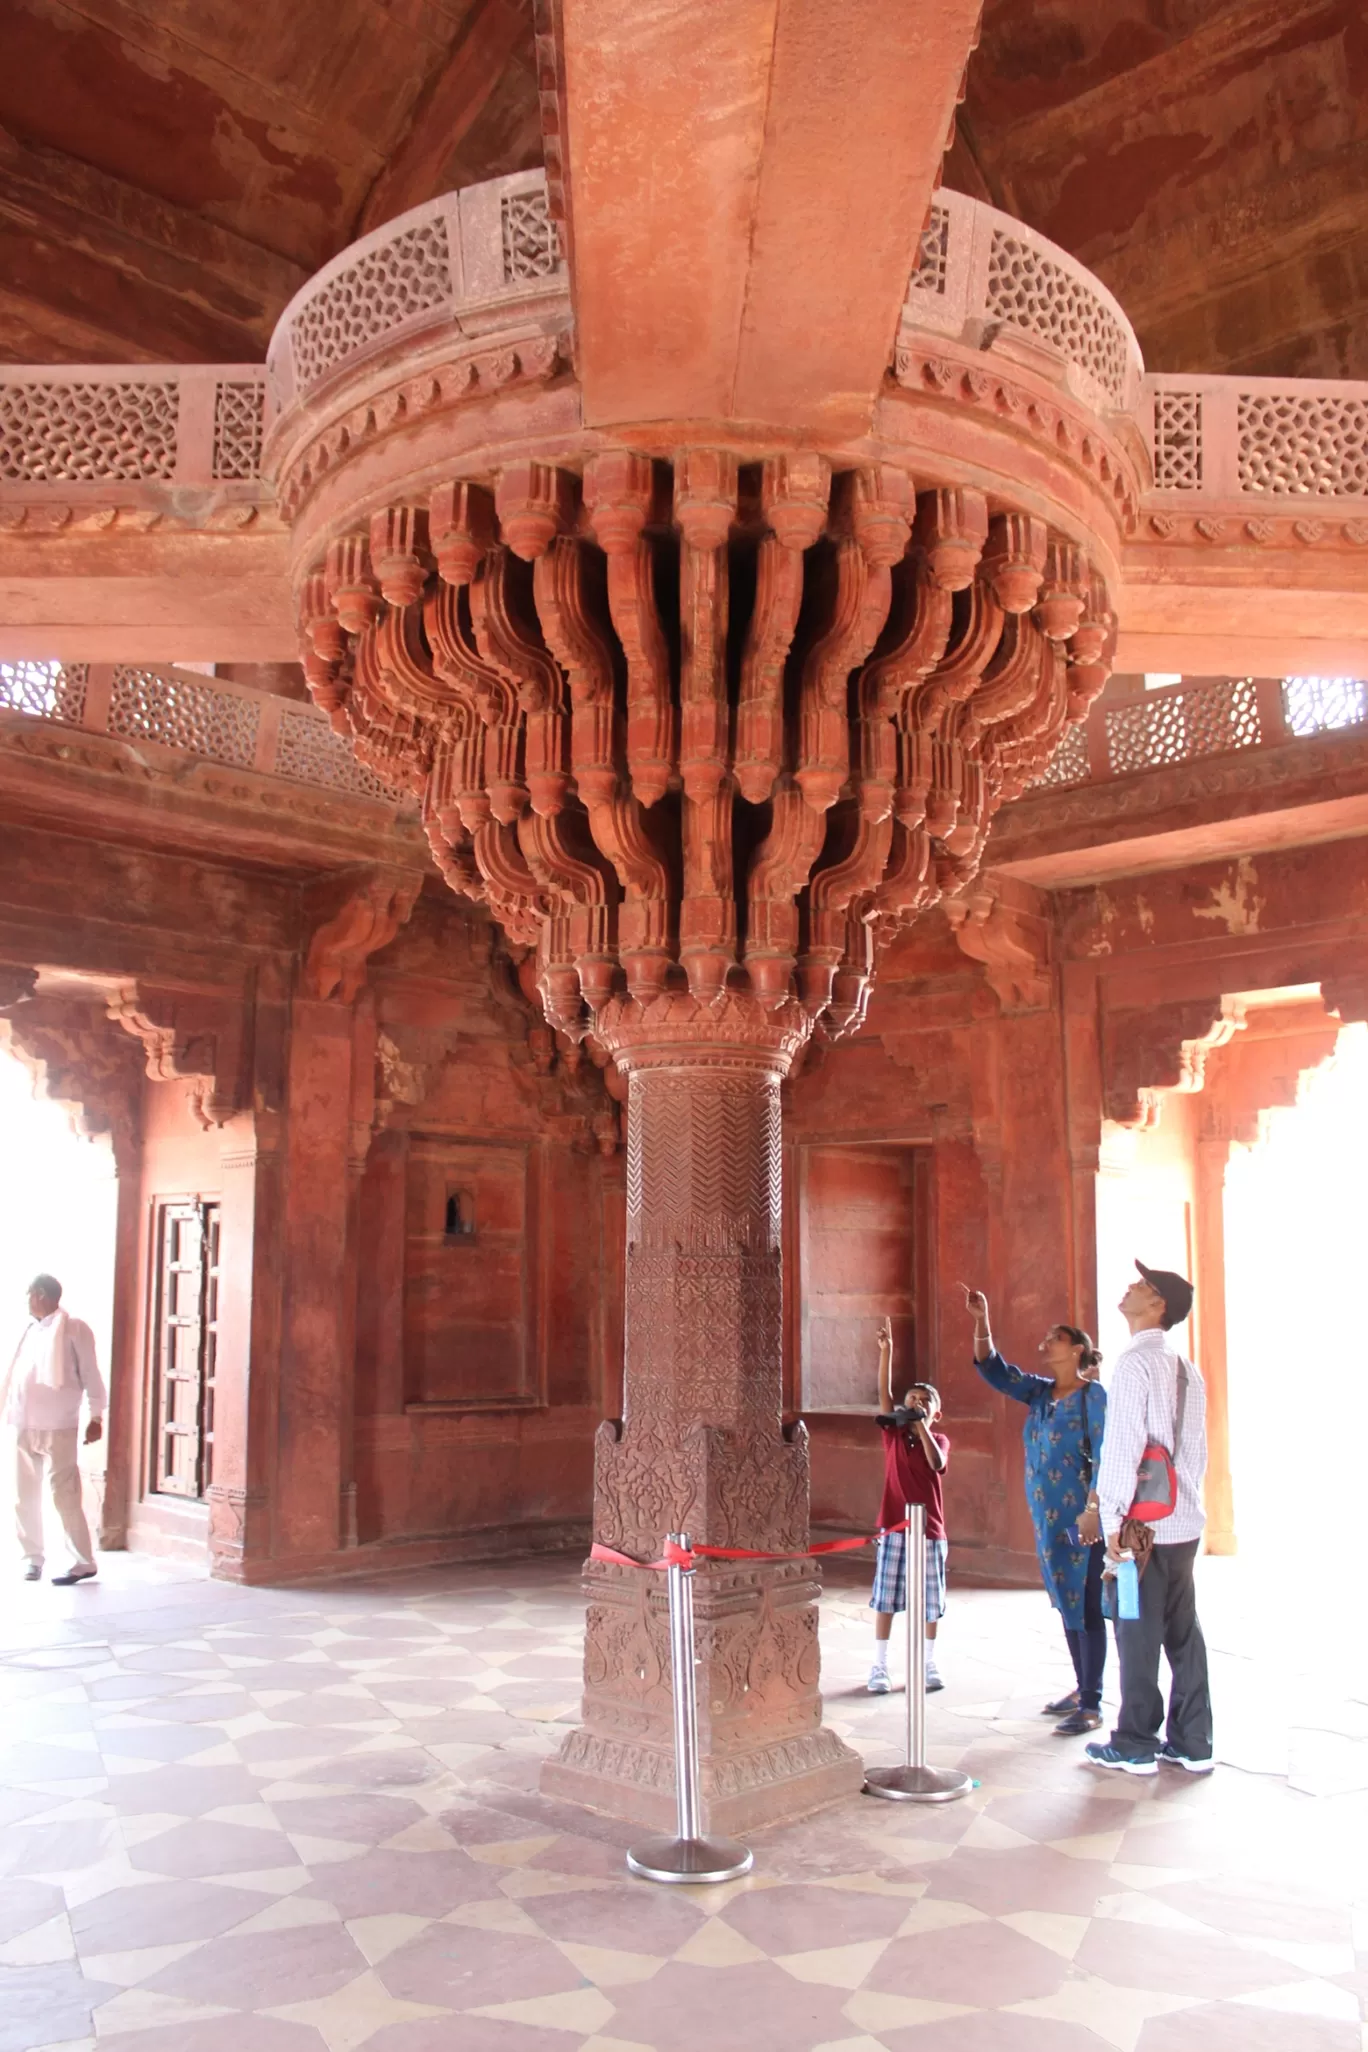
column 700, row 1447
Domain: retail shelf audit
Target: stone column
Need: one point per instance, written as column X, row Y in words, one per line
column 700, row 1447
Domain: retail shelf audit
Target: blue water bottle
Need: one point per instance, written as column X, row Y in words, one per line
column 1127, row 1590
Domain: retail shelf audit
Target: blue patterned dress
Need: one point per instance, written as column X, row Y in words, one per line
column 1058, row 1474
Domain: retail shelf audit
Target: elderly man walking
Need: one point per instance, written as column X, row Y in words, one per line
column 53, row 1366
column 1157, row 1398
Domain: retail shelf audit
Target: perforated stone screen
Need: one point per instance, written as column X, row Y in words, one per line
column 1069, row 763
column 933, row 251
column 530, row 248
column 308, row 752
column 201, row 719
column 1316, row 444
column 1178, row 441
column 1174, row 726
column 87, row 433
column 378, row 292
column 49, row 691
column 1318, row 705
column 1028, row 291
column 239, row 416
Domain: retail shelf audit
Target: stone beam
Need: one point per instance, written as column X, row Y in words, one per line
column 168, row 595
column 1203, row 610
column 746, row 189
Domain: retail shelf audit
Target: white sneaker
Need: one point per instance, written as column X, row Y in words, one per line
column 933, row 1679
column 878, row 1683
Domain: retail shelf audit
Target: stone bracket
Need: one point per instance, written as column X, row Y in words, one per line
column 351, row 916
column 1006, row 926
column 187, row 1037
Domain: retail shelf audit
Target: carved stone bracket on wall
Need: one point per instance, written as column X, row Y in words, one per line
column 1006, row 926
column 187, row 1037
column 352, row 916
column 1149, row 1050
column 78, row 1061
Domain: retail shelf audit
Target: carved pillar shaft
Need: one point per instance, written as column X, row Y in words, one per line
column 701, row 1449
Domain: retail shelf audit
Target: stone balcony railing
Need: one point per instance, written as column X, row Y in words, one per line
column 208, row 718
column 982, row 272
column 1202, row 716
column 473, row 260
column 78, row 441
column 186, row 441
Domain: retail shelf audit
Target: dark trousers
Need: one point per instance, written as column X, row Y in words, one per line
column 1167, row 1622
column 1088, row 1648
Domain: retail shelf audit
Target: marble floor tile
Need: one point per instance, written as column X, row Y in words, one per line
column 257, row 1820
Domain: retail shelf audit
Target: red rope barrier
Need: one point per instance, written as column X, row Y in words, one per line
column 678, row 1556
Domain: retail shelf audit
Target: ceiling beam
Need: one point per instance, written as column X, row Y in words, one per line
column 93, row 269
column 747, row 185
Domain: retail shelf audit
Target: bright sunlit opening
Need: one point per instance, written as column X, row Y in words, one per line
column 57, row 1210
column 1296, row 1236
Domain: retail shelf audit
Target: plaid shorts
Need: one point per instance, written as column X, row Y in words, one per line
column 890, row 1575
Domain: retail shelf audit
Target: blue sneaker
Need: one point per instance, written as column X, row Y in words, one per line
column 1107, row 1756
column 1171, row 1757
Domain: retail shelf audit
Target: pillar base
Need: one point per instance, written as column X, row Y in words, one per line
column 771, row 1784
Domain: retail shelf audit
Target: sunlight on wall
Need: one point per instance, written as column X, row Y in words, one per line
column 57, row 1209
column 1296, row 1222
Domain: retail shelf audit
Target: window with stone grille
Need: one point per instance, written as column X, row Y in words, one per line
column 1314, row 444
column 198, row 718
column 1319, row 705
column 47, row 690
column 1205, row 719
column 530, row 247
column 1178, row 441
column 1068, row 764
column 239, row 417
column 308, row 752
column 933, row 252
column 88, row 432
column 1028, row 291
column 380, row 290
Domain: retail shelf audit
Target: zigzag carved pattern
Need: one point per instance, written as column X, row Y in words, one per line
column 703, row 1163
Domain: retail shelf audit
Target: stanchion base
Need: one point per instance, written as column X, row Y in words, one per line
column 917, row 1784
column 690, row 1859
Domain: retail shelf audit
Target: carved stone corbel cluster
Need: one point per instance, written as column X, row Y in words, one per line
column 752, row 785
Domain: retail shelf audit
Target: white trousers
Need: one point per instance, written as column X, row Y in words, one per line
column 58, row 1450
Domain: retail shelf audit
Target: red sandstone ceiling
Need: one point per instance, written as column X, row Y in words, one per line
column 171, row 170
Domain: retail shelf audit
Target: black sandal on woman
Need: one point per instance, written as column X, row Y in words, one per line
column 1063, row 1707
column 1077, row 1722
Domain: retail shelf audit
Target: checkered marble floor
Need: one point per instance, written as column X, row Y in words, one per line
column 290, row 1820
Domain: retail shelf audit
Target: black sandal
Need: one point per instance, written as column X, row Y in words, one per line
column 1063, row 1707
column 1077, row 1722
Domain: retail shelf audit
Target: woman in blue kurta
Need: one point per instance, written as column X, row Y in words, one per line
column 1066, row 1413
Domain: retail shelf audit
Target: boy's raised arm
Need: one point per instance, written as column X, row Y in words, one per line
column 886, row 1365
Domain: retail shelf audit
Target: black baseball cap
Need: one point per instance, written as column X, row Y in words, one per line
column 1175, row 1290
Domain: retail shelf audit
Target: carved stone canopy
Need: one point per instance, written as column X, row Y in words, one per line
column 703, row 725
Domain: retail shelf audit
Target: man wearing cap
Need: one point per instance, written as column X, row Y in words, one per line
column 52, row 1369
column 1156, row 1394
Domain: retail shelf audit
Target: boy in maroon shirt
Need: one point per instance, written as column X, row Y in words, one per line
column 915, row 1460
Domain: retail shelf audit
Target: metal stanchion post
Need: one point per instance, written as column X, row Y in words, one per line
column 689, row 1856
column 916, row 1782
